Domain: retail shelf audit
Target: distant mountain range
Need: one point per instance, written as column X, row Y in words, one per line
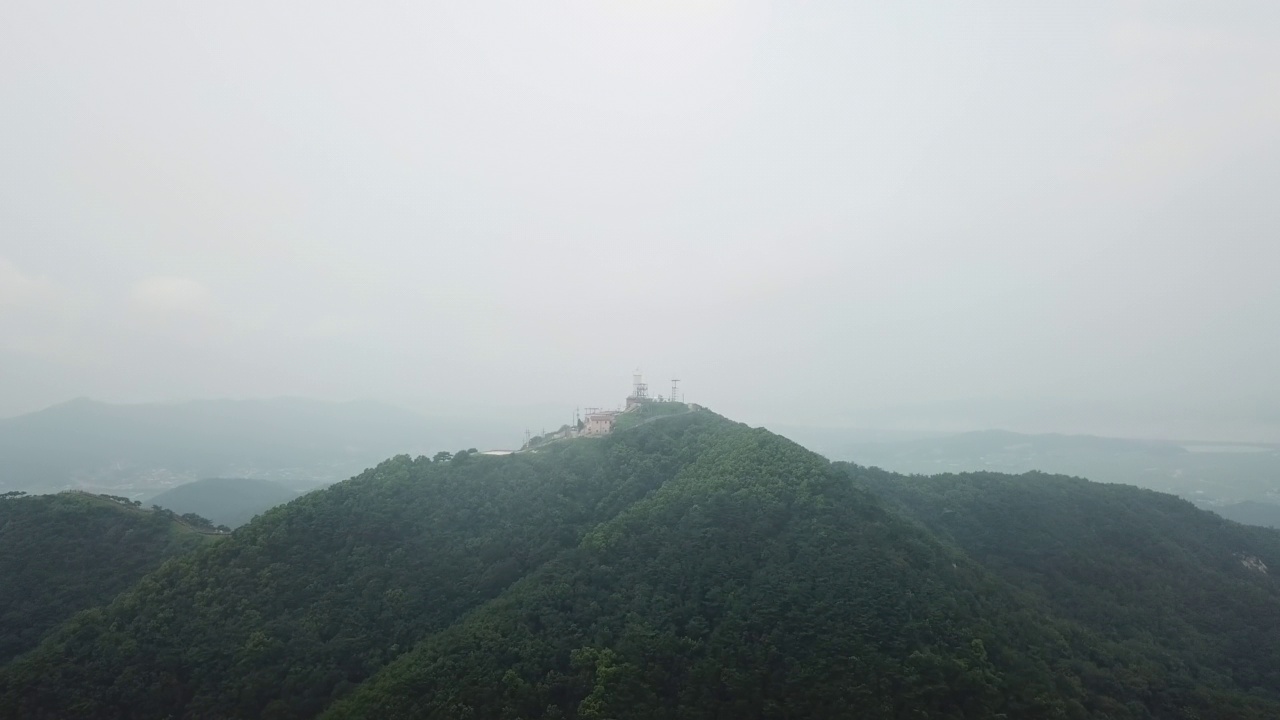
column 1213, row 475
column 138, row 450
column 225, row 501
column 1252, row 513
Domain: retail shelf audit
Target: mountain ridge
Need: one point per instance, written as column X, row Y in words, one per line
column 60, row 554
column 692, row 567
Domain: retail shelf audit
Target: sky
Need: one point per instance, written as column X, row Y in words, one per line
column 928, row 216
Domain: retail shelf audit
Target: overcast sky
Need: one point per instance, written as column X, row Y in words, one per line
column 937, row 215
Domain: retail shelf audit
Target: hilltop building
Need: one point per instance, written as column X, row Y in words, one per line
column 600, row 422
column 596, row 422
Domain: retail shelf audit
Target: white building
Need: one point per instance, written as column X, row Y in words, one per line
column 599, row 423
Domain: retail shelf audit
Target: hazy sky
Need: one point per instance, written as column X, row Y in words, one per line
column 936, row 215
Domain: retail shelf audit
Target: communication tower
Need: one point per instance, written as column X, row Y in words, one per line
column 675, row 387
column 641, row 389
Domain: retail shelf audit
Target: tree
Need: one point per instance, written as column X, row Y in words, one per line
column 197, row 521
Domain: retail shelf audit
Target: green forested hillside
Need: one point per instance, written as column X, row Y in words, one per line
column 225, row 501
column 60, row 554
column 1187, row 600
column 311, row 598
column 689, row 567
column 757, row 584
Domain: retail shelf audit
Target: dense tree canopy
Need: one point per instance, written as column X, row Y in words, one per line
column 60, row 554
column 1185, row 601
column 686, row 567
column 756, row 584
column 312, row 598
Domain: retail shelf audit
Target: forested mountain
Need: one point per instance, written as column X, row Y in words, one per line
column 225, row 501
column 138, row 450
column 313, row 597
column 756, row 583
column 1186, row 600
column 688, row 568
column 60, row 554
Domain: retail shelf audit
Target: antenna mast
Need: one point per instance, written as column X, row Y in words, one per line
column 641, row 389
column 675, row 386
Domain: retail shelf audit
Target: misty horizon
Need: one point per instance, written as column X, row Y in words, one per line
column 918, row 219
column 543, row 418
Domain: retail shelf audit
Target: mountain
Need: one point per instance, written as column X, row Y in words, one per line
column 313, row 597
column 1186, row 599
column 141, row 449
column 1207, row 473
column 689, row 567
column 1252, row 513
column 755, row 583
column 225, row 501
column 60, row 554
